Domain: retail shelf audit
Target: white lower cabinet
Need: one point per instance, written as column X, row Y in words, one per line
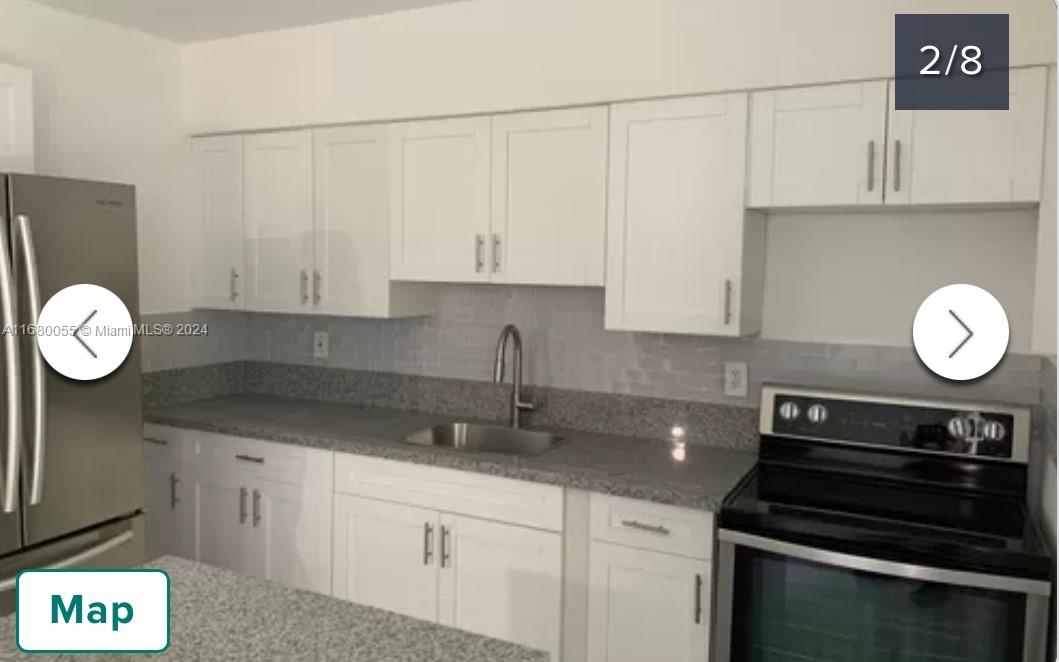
column 163, row 487
column 291, row 526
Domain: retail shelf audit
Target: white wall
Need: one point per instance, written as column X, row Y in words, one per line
column 1044, row 311
column 107, row 106
column 889, row 262
column 487, row 55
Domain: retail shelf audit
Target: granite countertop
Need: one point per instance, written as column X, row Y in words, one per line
column 219, row 615
column 636, row 468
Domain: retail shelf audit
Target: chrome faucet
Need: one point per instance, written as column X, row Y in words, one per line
column 517, row 405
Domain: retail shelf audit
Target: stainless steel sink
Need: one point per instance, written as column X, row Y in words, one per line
column 485, row 438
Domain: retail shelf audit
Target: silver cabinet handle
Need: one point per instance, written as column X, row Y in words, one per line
column 156, row 442
column 257, row 508
column 897, row 165
column 445, row 553
column 698, row 599
column 479, row 253
column 24, row 234
column 79, row 558
column 640, row 526
column 727, row 301
column 12, row 377
column 233, row 285
column 428, row 543
column 250, row 458
column 242, row 505
column 317, row 280
column 871, row 165
column 303, row 275
column 173, row 498
column 496, row 253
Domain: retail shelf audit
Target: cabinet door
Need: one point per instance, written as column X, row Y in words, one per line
column 352, row 231
column 385, row 555
column 222, row 521
column 291, row 524
column 501, row 581
column 16, row 119
column 945, row 157
column 279, row 221
column 219, row 193
column 549, row 197
column 161, row 500
column 440, row 200
column 675, row 216
column 816, row 146
column 647, row 606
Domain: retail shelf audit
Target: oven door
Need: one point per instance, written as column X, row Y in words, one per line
column 782, row 602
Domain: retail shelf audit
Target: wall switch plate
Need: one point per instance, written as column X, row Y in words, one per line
column 735, row 379
column 321, row 345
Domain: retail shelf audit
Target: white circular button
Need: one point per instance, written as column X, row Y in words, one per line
column 960, row 332
column 84, row 332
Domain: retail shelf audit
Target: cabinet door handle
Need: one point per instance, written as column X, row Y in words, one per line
column 317, row 278
column 727, row 301
column 257, row 508
column 479, row 253
column 233, row 286
column 871, row 165
column 428, row 543
column 640, row 526
column 242, row 505
column 445, row 554
column 250, row 458
column 496, row 253
column 173, row 498
column 698, row 599
column 897, row 165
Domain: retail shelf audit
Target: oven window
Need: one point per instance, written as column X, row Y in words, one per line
column 787, row 610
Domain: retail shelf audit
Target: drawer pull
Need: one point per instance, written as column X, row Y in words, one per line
column 157, row 442
column 250, row 458
column 640, row 526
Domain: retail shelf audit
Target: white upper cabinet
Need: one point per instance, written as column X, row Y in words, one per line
column 676, row 224
column 549, row 188
column 816, row 146
column 219, row 192
column 16, row 119
column 351, row 273
column 279, row 221
column 952, row 157
column 439, row 206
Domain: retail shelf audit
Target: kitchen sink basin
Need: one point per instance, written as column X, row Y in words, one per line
column 485, row 438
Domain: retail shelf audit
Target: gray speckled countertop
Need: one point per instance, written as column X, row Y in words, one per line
column 219, row 615
column 622, row 466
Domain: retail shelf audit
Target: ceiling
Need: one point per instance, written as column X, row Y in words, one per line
column 199, row 20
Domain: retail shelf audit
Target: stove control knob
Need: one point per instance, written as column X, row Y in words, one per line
column 994, row 431
column 958, row 427
column 817, row 414
column 789, row 411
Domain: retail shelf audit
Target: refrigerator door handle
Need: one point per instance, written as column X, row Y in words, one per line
column 27, row 248
column 11, row 378
column 78, row 558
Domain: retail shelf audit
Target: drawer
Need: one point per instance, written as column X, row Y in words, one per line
column 450, row 490
column 653, row 526
column 163, row 443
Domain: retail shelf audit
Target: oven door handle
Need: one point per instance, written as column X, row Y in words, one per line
column 890, row 568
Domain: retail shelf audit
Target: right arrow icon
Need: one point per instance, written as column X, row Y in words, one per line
column 966, row 328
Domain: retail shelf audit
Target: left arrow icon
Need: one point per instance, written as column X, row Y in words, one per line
column 80, row 329
column 966, row 328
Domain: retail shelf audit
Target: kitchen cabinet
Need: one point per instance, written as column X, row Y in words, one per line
column 163, row 502
column 647, row 606
column 290, row 527
column 683, row 255
column 439, row 202
column 815, row 146
column 549, row 192
column 16, row 119
column 958, row 157
column 221, row 268
column 278, row 221
column 351, row 229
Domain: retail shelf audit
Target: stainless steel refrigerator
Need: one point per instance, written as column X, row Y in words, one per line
column 71, row 464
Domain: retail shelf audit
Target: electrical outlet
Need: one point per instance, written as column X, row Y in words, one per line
column 735, row 379
column 321, row 345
